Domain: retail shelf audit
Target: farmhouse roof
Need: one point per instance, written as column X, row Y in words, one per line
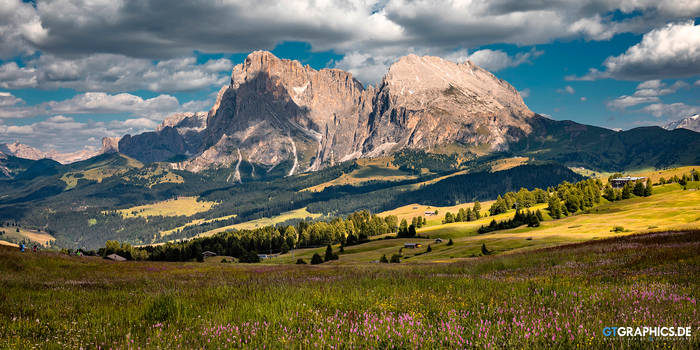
column 115, row 257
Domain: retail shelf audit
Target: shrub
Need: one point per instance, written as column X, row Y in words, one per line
column 329, row 254
column 484, row 250
column 249, row 257
column 301, row 261
column 383, row 259
column 617, row 229
column 223, row 261
column 429, row 249
column 163, row 308
column 450, row 242
column 395, row 259
column 316, row 259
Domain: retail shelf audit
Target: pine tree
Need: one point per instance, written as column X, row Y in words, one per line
column 429, row 249
column 609, row 193
column 470, row 215
column 411, row 231
column 484, row 251
column 450, row 242
column 329, row 254
column 383, row 259
column 648, row 188
column 477, row 210
column 554, row 207
column 403, row 228
column 627, row 191
column 316, row 259
column 638, row 189
column 462, row 215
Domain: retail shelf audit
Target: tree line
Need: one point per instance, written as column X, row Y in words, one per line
column 358, row 227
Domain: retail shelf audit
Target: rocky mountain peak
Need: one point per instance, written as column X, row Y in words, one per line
column 690, row 123
column 278, row 113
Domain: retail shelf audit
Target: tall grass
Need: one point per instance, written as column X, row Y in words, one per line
column 553, row 298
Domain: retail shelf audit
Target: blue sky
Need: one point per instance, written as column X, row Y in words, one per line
column 72, row 72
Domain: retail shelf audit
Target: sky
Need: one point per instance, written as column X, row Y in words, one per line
column 74, row 71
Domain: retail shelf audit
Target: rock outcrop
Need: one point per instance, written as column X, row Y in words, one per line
column 177, row 136
column 277, row 111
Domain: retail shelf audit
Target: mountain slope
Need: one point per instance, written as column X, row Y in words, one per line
column 576, row 144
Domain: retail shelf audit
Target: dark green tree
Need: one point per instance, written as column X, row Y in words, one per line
column 329, row 254
column 316, row 259
column 648, row 188
column 484, row 251
column 477, row 210
column 638, row 189
column 554, row 207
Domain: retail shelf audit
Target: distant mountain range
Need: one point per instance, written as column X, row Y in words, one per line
column 28, row 152
column 690, row 123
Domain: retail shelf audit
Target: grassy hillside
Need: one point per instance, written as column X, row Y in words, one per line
column 19, row 234
column 553, row 298
column 173, row 207
column 375, row 169
column 671, row 208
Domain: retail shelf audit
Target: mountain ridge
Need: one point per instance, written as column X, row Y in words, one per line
column 278, row 112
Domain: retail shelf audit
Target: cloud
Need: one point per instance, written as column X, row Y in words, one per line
column 495, row 60
column 96, row 103
column 583, row 99
column 624, row 102
column 672, row 51
column 65, row 134
column 525, row 93
column 7, row 99
column 385, row 29
column 103, row 103
column 671, row 111
column 365, row 67
column 109, row 72
column 19, row 25
column 13, row 76
column 646, row 92
column 567, row 89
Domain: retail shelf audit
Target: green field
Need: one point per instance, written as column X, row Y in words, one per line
column 553, row 298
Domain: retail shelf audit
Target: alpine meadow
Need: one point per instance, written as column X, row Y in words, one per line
column 349, row 174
